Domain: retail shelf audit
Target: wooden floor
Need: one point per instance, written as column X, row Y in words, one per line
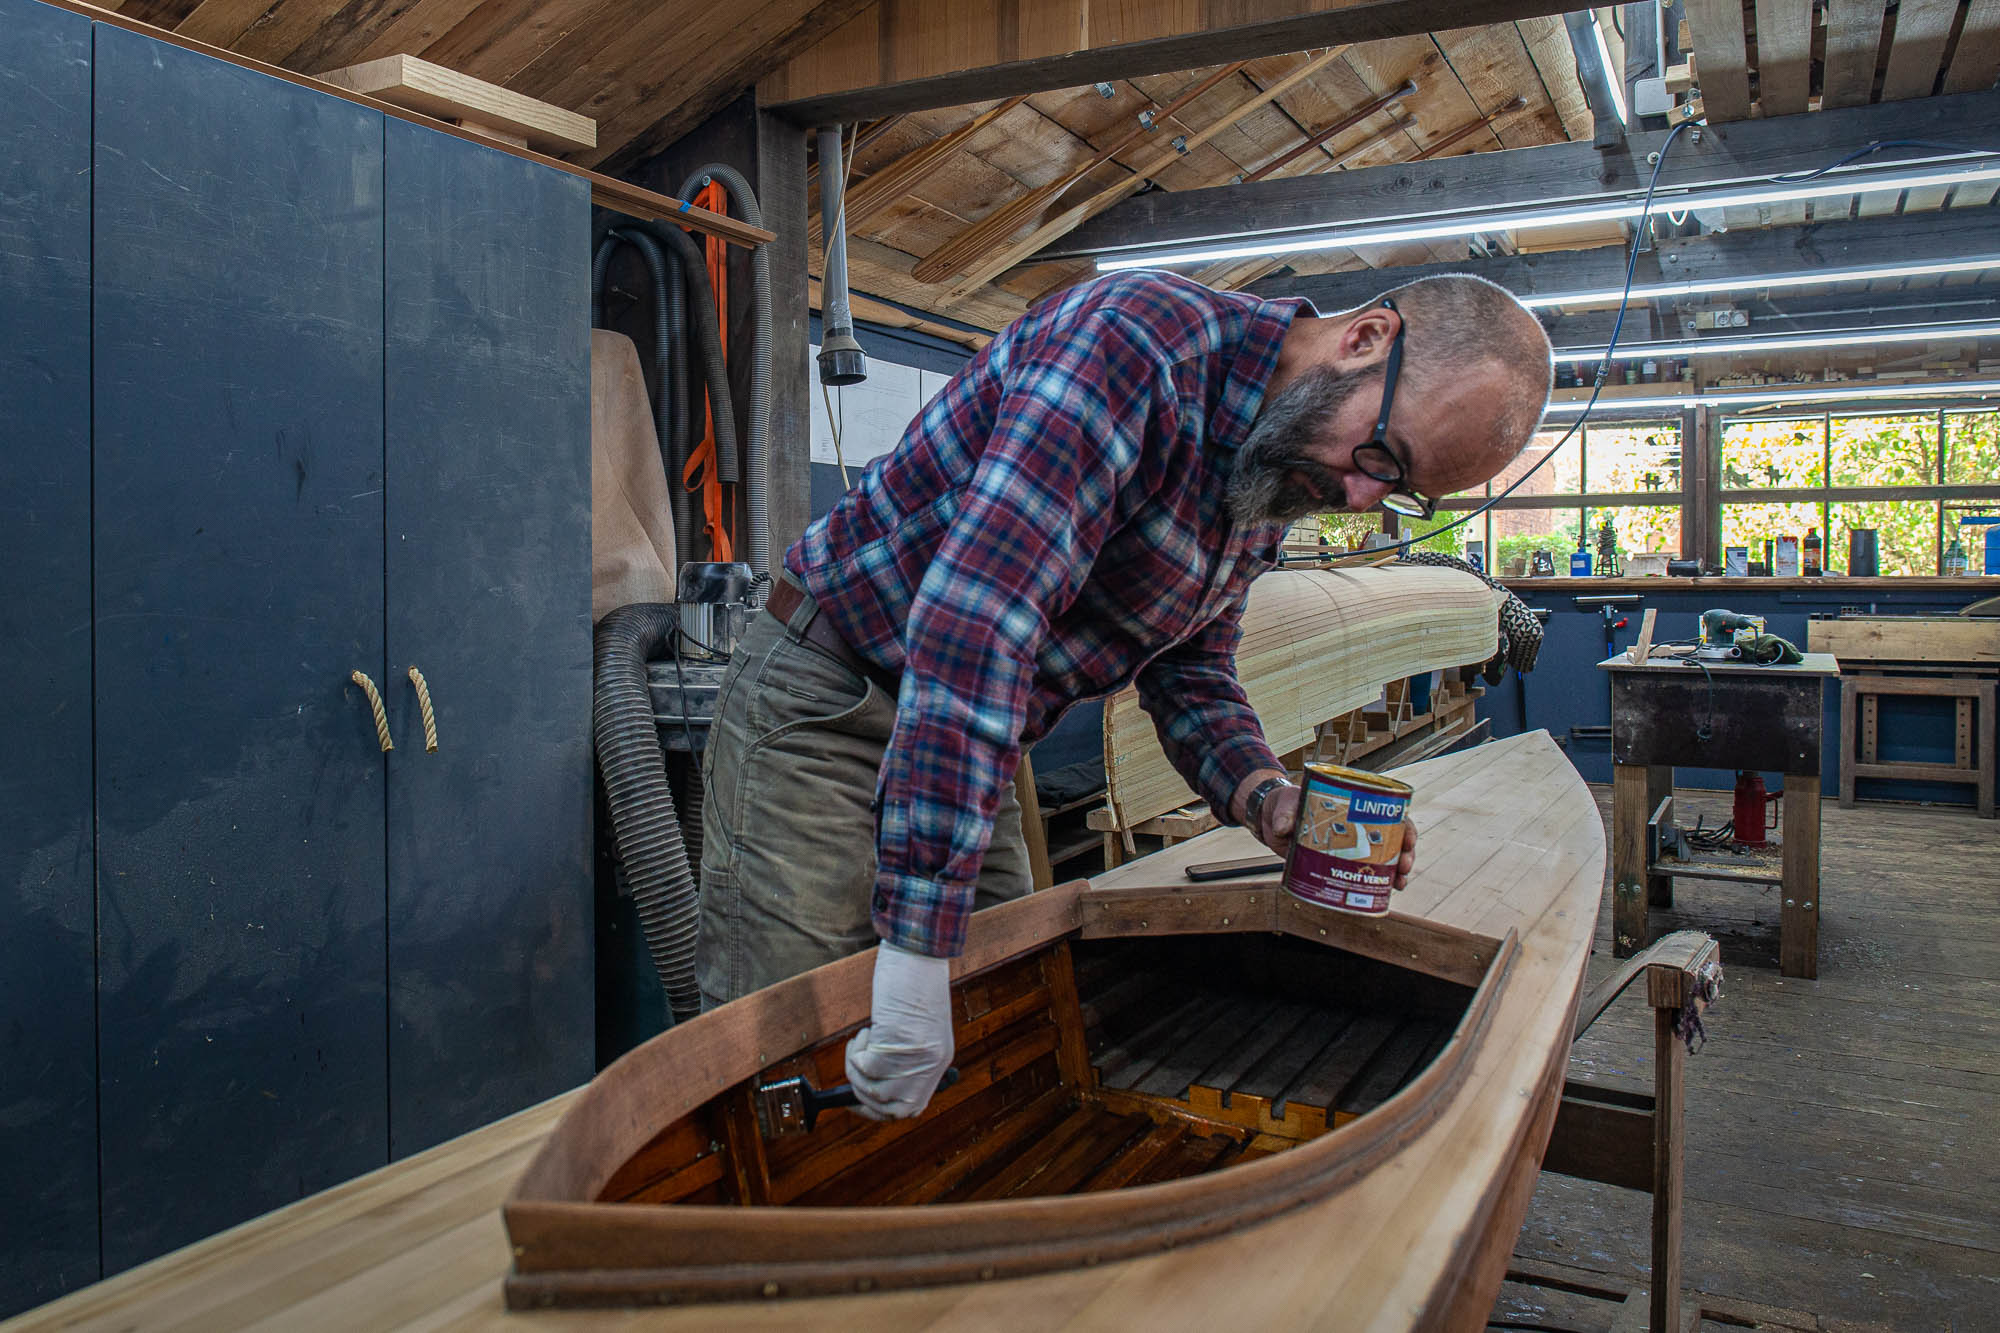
column 1843, row 1135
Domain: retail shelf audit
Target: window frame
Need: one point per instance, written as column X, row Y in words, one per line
column 1580, row 503
column 1825, row 496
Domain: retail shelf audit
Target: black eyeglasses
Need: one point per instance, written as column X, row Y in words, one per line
column 1401, row 500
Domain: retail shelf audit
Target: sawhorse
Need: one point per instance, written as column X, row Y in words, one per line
column 1633, row 1138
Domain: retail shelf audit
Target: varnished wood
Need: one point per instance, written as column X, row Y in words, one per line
column 1316, row 643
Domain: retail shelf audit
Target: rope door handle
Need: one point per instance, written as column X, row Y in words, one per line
column 375, row 702
column 424, row 704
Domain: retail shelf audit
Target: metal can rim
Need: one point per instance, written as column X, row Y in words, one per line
column 1356, row 777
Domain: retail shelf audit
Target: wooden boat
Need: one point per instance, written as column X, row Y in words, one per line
column 1160, row 1080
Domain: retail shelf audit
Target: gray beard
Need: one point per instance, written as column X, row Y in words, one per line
column 1261, row 489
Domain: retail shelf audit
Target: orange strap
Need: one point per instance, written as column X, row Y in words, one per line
column 700, row 473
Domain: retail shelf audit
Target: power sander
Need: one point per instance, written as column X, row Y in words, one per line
column 1728, row 636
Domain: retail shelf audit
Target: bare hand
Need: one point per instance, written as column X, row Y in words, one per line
column 1407, row 862
column 1280, row 819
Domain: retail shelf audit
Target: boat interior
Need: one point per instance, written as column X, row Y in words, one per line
column 1087, row 1065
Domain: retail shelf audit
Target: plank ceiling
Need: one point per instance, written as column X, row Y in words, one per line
column 1778, row 58
column 1518, row 78
column 648, row 70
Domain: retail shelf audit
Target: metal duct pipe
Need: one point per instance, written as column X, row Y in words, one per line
column 841, row 360
column 1607, row 130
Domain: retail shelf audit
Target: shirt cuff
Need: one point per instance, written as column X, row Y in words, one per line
column 1228, row 764
column 919, row 915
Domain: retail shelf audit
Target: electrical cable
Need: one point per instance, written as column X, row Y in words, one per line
column 1603, row 365
column 1625, row 298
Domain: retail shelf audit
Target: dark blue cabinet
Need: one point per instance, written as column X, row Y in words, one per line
column 489, row 940
column 289, row 390
column 237, row 382
column 48, row 1070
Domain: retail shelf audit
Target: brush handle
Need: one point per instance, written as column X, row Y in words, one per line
column 844, row 1095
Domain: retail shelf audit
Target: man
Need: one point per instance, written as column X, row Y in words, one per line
column 1084, row 505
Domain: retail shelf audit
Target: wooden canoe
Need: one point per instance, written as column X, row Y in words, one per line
column 1512, row 843
column 1148, row 1064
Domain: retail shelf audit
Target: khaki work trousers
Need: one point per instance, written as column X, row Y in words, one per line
column 788, row 833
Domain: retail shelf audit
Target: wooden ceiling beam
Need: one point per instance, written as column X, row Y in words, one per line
column 1949, row 235
column 1783, row 314
column 1722, row 56
column 906, row 55
column 1740, row 151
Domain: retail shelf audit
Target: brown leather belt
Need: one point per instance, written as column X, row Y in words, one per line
column 786, row 598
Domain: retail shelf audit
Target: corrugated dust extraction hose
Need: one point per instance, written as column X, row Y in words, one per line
column 643, row 819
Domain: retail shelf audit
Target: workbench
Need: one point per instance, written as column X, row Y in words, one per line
column 1950, row 657
column 1667, row 713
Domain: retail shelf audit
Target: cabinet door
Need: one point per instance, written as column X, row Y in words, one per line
column 238, row 528
column 48, row 1083
column 488, row 437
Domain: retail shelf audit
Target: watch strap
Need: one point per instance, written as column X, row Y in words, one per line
column 1253, row 808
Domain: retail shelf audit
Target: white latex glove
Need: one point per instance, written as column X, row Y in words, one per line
column 896, row 1062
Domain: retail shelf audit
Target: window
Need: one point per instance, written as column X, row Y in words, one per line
column 1886, row 471
column 1629, row 472
column 1911, row 473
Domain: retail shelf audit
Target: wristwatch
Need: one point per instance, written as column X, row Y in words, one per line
column 1253, row 808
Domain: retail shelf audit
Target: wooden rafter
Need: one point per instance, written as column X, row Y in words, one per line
column 966, row 247
column 1338, row 127
column 901, row 55
column 996, row 262
column 868, row 197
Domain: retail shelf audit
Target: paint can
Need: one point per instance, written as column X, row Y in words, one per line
column 1349, row 837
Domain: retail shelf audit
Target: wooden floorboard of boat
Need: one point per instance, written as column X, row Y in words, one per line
column 1364, row 1256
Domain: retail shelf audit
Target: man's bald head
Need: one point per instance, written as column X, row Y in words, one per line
column 1460, row 327
column 1474, row 379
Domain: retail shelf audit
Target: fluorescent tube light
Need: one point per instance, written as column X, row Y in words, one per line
column 1529, row 219
column 1793, row 393
column 1788, row 342
column 1613, row 81
column 1807, row 278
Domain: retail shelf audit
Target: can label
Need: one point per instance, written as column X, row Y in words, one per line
column 1349, row 837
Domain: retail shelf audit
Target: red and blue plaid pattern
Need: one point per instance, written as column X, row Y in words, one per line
column 1052, row 528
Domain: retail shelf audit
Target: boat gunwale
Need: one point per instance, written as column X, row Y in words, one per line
column 662, row 1253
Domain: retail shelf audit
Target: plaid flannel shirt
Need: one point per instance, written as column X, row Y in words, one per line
column 1052, row 528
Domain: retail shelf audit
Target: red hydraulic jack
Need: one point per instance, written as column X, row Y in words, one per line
column 1751, row 803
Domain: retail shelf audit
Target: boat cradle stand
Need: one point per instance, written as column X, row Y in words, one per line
column 1627, row 1136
